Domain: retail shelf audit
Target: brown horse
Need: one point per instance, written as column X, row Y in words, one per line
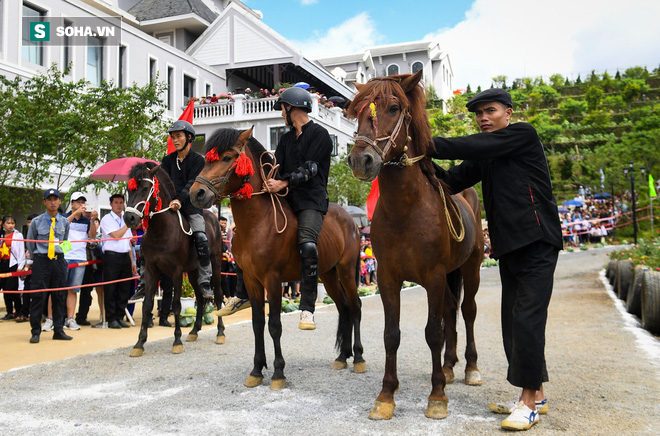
column 269, row 257
column 168, row 250
column 438, row 235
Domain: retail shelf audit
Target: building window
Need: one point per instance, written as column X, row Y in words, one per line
column 198, row 144
column 188, row 88
column 170, row 87
column 276, row 134
column 392, row 69
column 153, row 71
column 66, row 49
column 335, row 145
column 122, row 66
column 94, row 60
column 33, row 51
column 208, row 90
column 417, row 66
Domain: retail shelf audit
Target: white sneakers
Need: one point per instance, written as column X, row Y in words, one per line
column 48, row 325
column 507, row 408
column 521, row 418
column 306, row 321
column 71, row 324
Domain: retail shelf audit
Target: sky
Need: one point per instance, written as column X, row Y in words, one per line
column 484, row 38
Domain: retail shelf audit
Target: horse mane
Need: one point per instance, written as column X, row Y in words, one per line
column 223, row 138
column 415, row 101
column 141, row 171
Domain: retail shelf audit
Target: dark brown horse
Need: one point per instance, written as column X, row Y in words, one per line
column 438, row 235
column 168, row 250
column 269, row 257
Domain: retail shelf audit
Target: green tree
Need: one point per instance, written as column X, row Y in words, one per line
column 633, row 89
column 544, row 96
column 573, row 109
column 54, row 130
column 608, row 83
column 593, row 96
column 343, row 188
column 557, row 81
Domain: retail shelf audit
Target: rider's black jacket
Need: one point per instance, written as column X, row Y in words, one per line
column 183, row 176
column 313, row 144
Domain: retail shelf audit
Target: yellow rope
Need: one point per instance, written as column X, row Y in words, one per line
column 450, row 224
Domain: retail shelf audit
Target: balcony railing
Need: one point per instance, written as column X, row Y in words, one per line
column 242, row 109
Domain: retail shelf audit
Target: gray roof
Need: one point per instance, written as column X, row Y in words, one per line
column 155, row 9
column 344, row 59
column 405, row 47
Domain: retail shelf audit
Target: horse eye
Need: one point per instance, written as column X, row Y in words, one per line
column 226, row 158
column 393, row 109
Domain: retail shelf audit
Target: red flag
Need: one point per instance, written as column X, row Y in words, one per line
column 187, row 115
column 372, row 199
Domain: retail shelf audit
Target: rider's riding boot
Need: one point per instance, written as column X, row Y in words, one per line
column 204, row 258
column 139, row 291
column 309, row 284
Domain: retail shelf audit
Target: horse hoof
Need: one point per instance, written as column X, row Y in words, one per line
column 278, row 384
column 137, row 352
column 253, row 382
column 338, row 365
column 191, row 337
column 449, row 377
column 437, row 409
column 473, row 378
column 220, row 340
column 360, row 367
column 382, row 410
column 177, row 349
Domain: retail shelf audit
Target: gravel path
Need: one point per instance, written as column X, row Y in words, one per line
column 604, row 376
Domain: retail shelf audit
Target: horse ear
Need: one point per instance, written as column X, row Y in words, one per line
column 244, row 137
column 359, row 86
column 152, row 171
column 410, row 82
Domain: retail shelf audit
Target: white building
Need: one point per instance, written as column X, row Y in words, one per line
column 403, row 58
column 198, row 47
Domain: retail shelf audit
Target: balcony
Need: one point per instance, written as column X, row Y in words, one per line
column 254, row 109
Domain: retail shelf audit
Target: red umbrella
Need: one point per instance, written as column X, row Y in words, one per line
column 117, row 169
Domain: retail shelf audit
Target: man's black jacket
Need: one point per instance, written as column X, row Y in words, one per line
column 313, row 144
column 517, row 191
column 184, row 178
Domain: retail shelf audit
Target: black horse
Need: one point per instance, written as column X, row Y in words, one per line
column 168, row 250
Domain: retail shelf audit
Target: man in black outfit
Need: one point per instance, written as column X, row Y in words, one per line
column 525, row 234
column 183, row 166
column 303, row 154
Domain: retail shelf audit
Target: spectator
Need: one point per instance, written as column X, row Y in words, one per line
column 214, row 99
column 48, row 267
column 26, row 296
column 117, row 263
column 12, row 259
column 228, row 279
column 93, row 274
column 80, row 229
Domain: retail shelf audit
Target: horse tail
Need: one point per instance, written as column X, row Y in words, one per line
column 455, row 283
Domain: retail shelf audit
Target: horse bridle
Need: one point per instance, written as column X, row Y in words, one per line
column 210, row 184
column 404, row 117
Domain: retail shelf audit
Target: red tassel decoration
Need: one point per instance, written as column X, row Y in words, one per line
column 245, row 191
column 212, row 155
column 132, row 184
column 244, row 166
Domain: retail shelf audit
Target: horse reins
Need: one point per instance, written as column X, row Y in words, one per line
column 145, row 218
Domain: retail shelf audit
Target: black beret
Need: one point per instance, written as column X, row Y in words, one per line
column 494, row 94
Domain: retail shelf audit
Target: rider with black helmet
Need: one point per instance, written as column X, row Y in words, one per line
column 303, row 154
column 183, row 165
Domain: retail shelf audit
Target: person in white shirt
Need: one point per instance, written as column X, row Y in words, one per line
column 117, row 263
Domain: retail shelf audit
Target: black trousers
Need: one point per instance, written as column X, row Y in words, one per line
column 12, row 301
column 26, row 297
column 115, row 297
column 309, row 227
column 47, row 273
column 85, row 294
column 527, row 277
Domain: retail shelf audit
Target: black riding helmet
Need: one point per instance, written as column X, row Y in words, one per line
column 296, row 97
column 184, row 126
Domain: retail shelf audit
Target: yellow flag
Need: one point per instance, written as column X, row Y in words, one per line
column 652, row 193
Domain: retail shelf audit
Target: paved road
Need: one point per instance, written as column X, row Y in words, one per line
column 604, row 377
